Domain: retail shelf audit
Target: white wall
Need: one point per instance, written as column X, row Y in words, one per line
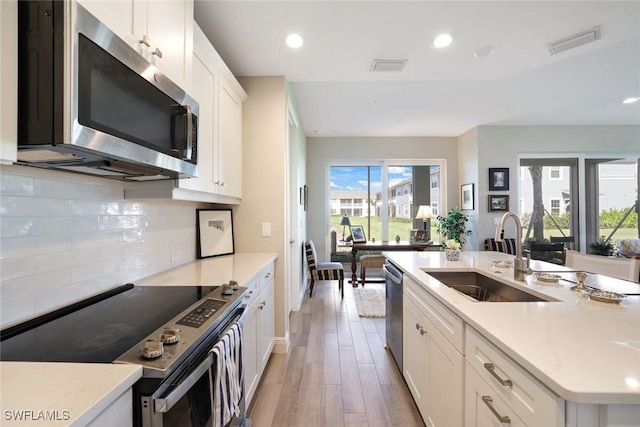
column 321, row 152
column 468, row 174
column 264, row 115
column 65, row 237
column 502, row 146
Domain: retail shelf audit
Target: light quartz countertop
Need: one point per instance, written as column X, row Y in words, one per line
column 70, row 394
column 584, row 350
column 86, row 389
column 213, row 271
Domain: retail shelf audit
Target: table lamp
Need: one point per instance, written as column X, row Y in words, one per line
column 425, row 214
column 344, row 223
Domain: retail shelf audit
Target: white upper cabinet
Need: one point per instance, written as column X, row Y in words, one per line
column 228, row 174
column 220, row 99
column 162, row 32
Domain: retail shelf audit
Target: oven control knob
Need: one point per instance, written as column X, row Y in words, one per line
column 152, row 349
column 170, row 335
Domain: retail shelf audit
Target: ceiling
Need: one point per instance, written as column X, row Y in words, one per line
column 440, row 92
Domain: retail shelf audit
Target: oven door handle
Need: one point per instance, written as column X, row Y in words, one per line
column 164, row 404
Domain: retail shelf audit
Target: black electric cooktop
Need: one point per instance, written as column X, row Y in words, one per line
column 98, row 330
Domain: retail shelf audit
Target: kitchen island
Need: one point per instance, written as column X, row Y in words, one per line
column 585, row 352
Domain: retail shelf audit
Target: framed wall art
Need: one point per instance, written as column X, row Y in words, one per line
column 357, row 232
column 498, row 179
column 466, row 197
column 214, row 231
column 498, row 203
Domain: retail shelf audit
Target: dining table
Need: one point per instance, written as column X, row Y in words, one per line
column 384, row 245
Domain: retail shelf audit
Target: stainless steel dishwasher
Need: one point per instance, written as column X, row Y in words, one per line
column 393, row 297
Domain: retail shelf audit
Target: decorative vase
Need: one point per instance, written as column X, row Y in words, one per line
column 452, row 254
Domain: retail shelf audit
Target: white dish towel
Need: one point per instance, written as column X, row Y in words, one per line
column 227, row 369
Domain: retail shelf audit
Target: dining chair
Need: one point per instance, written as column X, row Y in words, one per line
column 620, row 268
column 320, row 271
column 369, row 261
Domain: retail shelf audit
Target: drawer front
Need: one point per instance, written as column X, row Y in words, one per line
column 527, row 397
column 447, row 323
column 484, row 408
column 266, row 275
column 253, row 285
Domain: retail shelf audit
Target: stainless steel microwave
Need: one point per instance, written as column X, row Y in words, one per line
column 89, row 103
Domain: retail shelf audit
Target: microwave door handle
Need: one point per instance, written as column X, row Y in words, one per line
column 165, row 403
column 189, row 148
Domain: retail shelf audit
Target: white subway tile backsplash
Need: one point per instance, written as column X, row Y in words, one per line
column 65, row 237
column 16, row 226
column 16, row 185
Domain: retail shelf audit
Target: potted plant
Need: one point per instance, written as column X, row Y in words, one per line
column 601, row 247
column 452, row 250
column 454, row 226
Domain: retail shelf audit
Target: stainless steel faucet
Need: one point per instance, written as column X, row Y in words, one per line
column 521, row 265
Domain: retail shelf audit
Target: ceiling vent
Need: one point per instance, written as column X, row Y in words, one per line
column 575, row 40
column 379, row 65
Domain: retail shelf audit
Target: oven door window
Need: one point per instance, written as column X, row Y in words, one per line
column 117, row 101
column 194, row 408
column 185, row 400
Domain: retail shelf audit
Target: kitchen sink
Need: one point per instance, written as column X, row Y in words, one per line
column 483, row 288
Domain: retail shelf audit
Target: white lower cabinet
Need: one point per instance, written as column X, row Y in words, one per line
column 497, row 385
column 258, row 328
column 119, row 413
column 433, row 367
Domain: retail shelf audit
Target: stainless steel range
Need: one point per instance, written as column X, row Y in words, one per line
column 169, row 330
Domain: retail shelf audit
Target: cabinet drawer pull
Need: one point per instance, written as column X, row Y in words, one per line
column 145, row 41
column 502, row 418
column 157, row 52
column 418, row 327
column 492, row 370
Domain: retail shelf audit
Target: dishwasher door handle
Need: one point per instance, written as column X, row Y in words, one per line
column 389, row 275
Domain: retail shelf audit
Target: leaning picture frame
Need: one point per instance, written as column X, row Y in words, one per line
column 498, row 203
column 498, row 179
column 214, row 231
column 466, row 197
column 357, row 233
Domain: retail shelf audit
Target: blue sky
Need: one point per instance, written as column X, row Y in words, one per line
column 355, row 177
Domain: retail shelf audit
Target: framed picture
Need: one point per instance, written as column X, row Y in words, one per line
column 421, row 236
column 498, row 203
column 214, row 231
column 305, row 197
column 357, row 232
column 498, row 179
column 466, row 196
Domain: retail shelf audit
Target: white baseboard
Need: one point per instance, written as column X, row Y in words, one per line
column 281, row 344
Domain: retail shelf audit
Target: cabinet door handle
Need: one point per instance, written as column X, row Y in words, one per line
column 157, row 52
column 422, row 331
column 145, row 41
column 504, row 419
column 266, row 276
column 262, row 305
column 418, row 327
column 492, row 370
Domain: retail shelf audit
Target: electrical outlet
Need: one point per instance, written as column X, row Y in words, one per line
column 176, row 255
column 266, row 229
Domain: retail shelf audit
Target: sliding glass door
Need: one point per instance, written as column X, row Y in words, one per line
column 383, row 198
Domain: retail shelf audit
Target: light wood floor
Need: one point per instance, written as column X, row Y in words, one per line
column 337, row 372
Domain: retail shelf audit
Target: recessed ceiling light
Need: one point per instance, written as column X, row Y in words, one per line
column 630, row 100
column 483, row 52
column 294, row 41
column 443, row 40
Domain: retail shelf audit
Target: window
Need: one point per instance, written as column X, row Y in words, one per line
column 384, row 212
column 611, row 197
column 555, row 172
column 554, row 180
